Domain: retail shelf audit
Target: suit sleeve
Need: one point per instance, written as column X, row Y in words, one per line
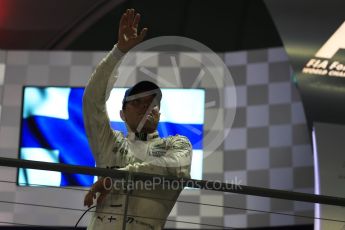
column 96, row 121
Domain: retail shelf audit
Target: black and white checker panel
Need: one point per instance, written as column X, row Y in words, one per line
column 268, row 145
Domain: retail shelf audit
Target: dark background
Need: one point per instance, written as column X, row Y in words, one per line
column 222, row 25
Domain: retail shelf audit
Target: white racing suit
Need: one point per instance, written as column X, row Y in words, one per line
column 148, row 207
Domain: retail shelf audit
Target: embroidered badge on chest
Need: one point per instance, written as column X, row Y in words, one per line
column 158, row 148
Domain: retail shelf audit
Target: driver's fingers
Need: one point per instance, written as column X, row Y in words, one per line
column 136, row 20
column 142, row 34
column 130, row 17
column 87, row 201
column 101, row 198
column 123, row 20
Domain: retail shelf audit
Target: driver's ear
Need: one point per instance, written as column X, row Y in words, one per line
column 122, row 115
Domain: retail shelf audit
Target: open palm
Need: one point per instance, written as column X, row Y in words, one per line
column 128, row 31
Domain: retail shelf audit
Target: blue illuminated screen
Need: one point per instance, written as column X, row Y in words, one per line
column 52, row 130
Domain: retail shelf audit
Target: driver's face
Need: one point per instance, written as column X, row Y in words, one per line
column 140, row 114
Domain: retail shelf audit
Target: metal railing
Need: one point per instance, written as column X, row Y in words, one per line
column 184, row 182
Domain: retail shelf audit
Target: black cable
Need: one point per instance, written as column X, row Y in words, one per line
column 118, row 214
column 41, row 205
column 246, row 209
column 263, row 211
column 202, row 224
column 78, row 189
column 76, row 225
column 190, row 202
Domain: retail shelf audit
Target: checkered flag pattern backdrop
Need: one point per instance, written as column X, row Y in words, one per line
column 268, row 144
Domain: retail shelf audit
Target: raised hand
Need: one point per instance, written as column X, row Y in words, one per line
column 128, row 31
